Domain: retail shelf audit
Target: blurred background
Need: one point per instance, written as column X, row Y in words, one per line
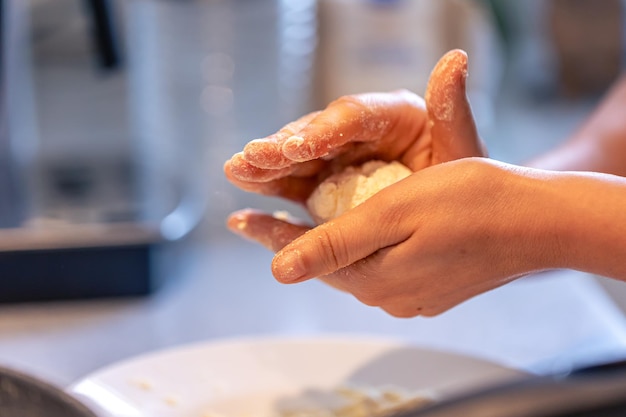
column 117, row 115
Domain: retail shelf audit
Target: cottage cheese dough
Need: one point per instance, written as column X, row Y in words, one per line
column 349, row 188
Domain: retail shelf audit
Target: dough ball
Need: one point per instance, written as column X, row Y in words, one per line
column 349, row 188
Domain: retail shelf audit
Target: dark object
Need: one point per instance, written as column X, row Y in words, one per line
column 77, row 221
column 103, row 31
column 75, row 273
column 24, row 396
column 598, row 391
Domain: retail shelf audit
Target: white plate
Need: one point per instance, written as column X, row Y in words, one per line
column 252, row 377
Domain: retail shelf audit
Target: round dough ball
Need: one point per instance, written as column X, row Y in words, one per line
column 349, row 188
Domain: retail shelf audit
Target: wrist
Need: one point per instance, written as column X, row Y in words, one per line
column 533, row 220
column 575, row 220
column 595, row 232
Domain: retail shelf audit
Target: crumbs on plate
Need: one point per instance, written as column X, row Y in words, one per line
column 346, row 401
column 364, row 402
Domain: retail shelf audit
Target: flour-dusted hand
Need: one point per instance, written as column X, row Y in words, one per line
column 397, row 126
column 457, row 226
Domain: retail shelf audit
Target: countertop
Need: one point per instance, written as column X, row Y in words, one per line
column 225, row 290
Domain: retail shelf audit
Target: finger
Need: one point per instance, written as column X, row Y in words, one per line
column 356, row 118
column 453, row 129
column 292, row 188
column 244, row 171
column 339, row 242
column 271, row 232
column 309, row 168
column 267, row 152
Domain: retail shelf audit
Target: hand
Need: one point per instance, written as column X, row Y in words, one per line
column 354, row 129
column 426, row 243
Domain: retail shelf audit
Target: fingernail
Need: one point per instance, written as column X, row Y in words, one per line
column 299, row 150
column 238, row 223
column 294, row 141
column 294, row 148
column 287, row 266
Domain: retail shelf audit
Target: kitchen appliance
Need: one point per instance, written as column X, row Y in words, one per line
column 95, row 186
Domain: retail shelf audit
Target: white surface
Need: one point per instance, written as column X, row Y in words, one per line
column 263, row 376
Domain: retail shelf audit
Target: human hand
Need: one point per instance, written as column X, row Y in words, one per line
column 426, row 243
column 394, row 126
column 353, row 129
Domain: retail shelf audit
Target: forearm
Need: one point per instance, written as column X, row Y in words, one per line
column 599, row 145
column 582, row 222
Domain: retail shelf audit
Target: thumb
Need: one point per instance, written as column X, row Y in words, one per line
column 452, row 125
column 340, row 242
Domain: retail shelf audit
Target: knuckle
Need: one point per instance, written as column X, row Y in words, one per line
column 476, row 170
column 393, row 216
column 335, row 252
column 356, row 107
column 411, row 99
column 352, row 101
